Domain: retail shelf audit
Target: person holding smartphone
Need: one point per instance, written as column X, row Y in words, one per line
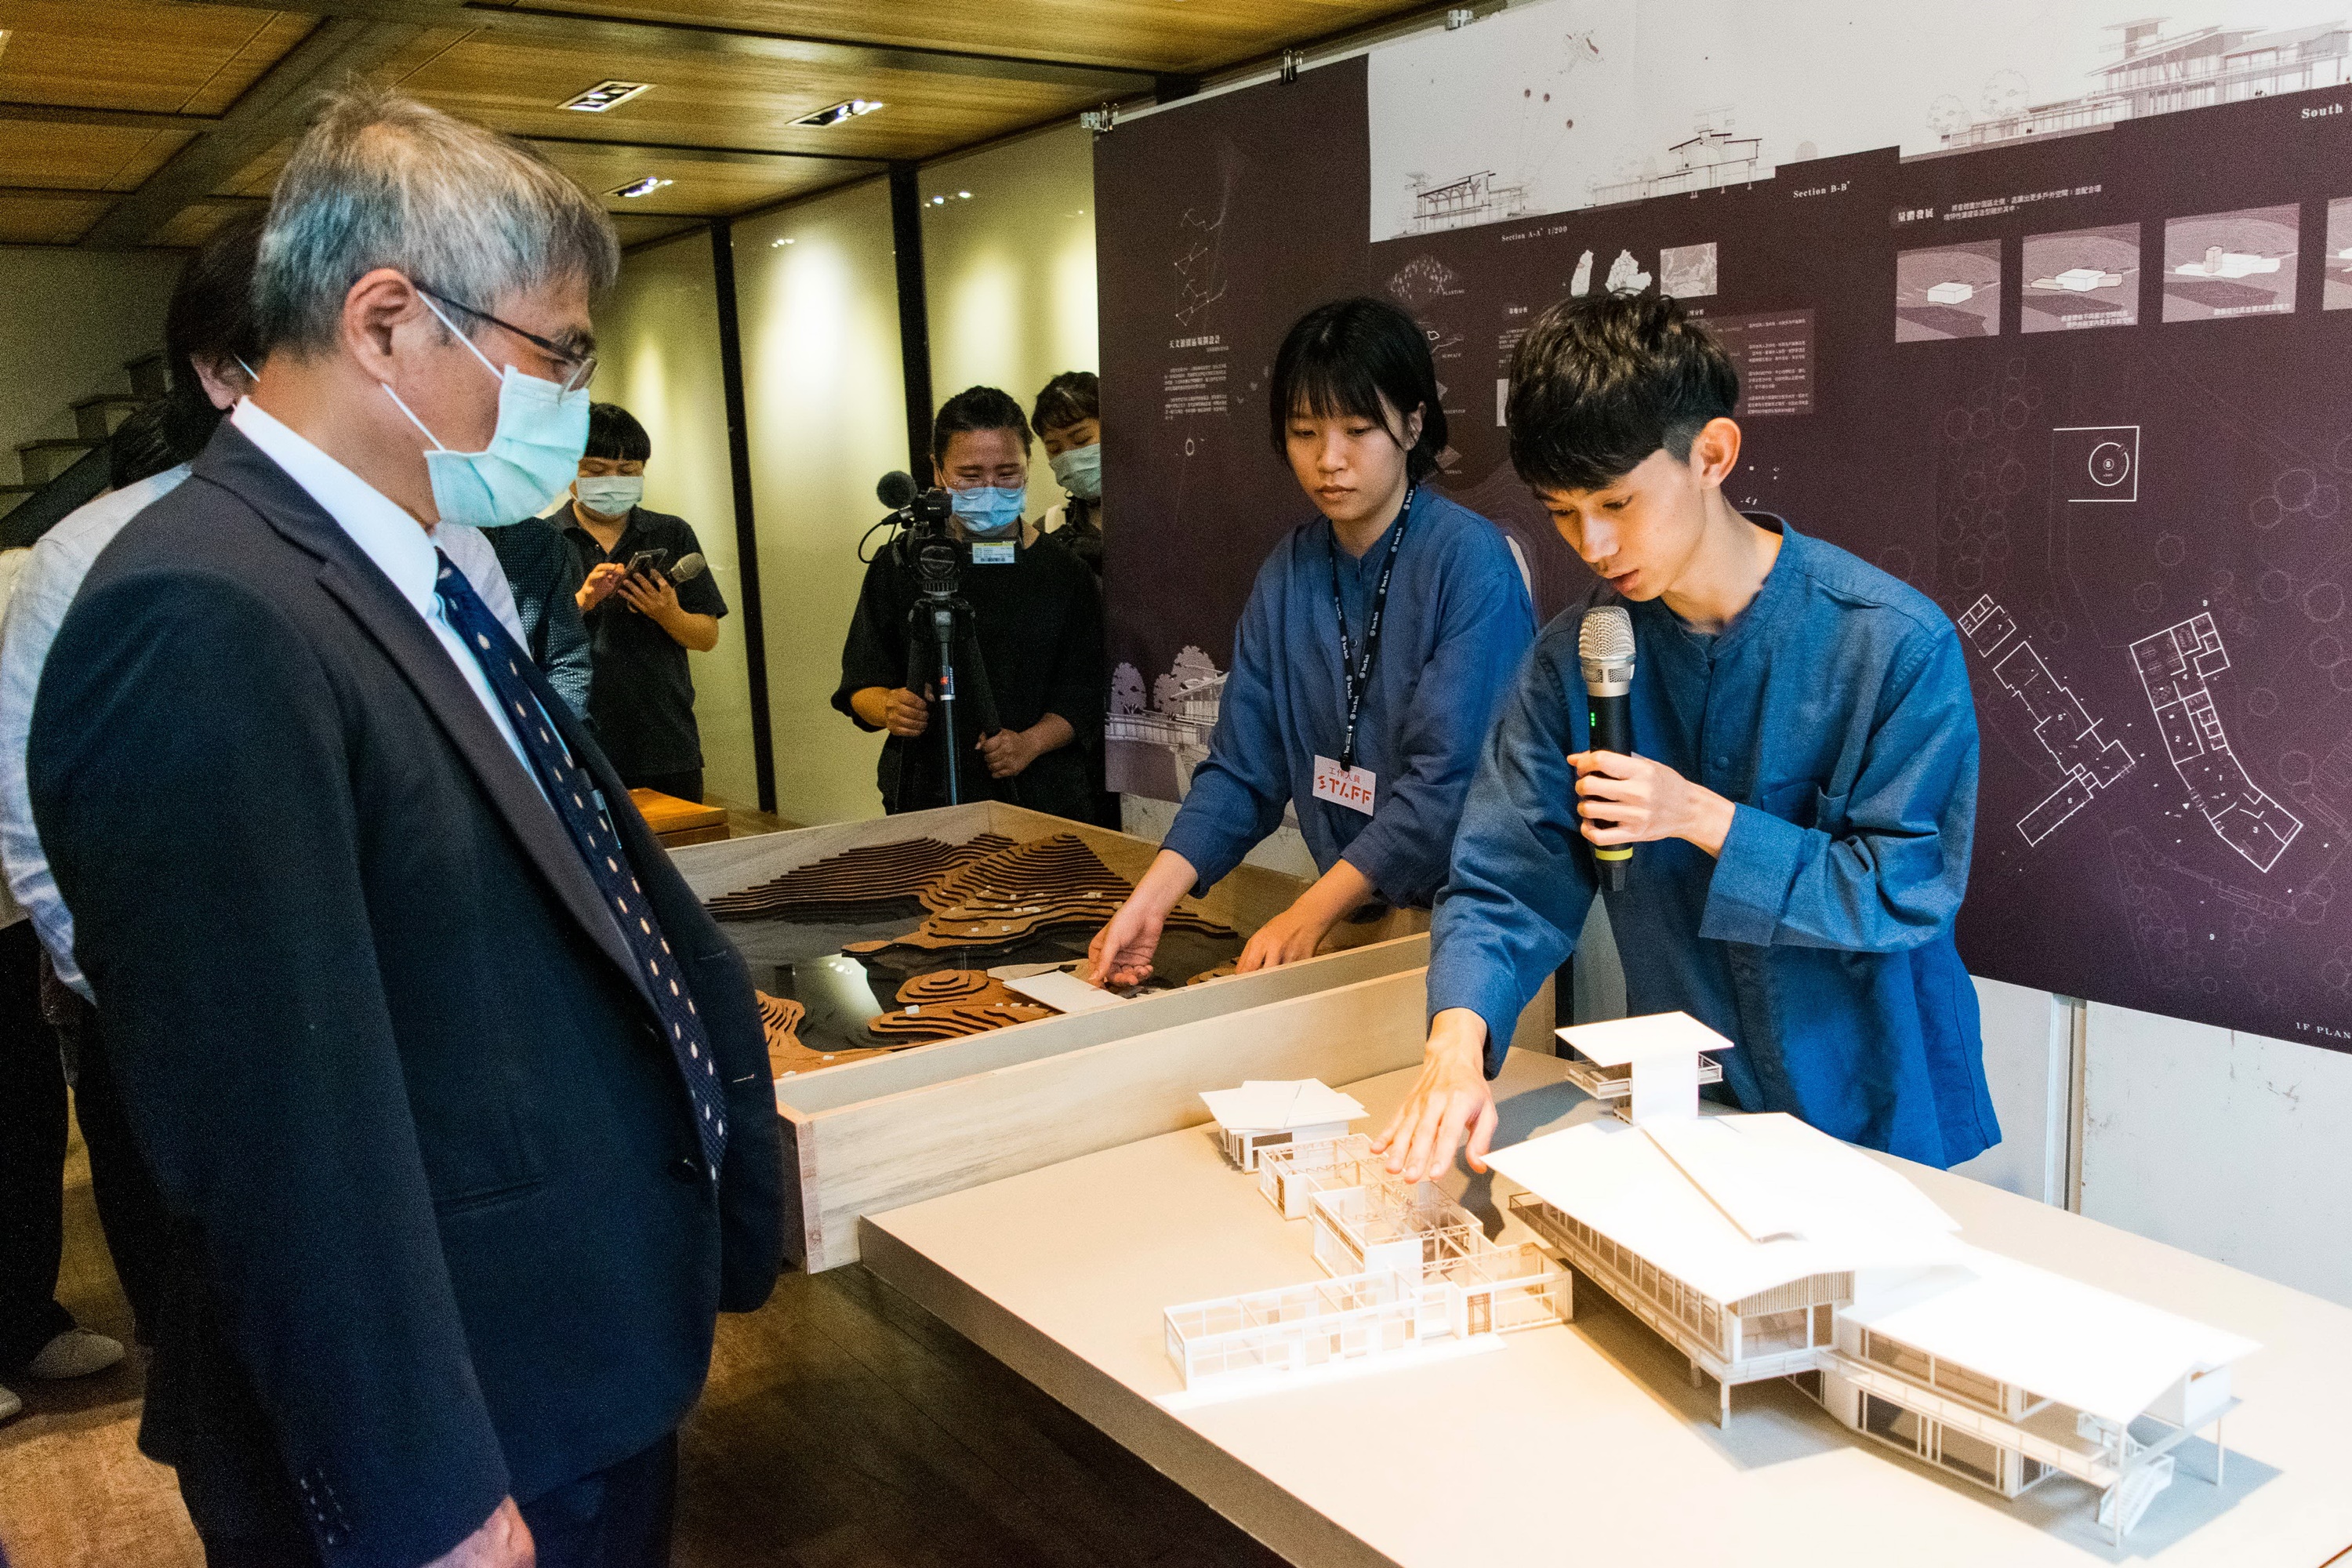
column 642, row 620
column 1376, row 644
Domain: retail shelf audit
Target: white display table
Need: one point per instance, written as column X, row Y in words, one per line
column 1586, row 1443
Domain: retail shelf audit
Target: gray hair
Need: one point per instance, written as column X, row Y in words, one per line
column 379, row 180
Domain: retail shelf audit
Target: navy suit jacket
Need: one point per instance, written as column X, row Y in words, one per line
column 430, row 1160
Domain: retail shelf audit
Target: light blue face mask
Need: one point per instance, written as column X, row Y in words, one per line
column 533, row 453
column 990, row 511
column 1080, row 471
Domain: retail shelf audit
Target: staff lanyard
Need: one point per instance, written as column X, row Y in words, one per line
column 1358, row 674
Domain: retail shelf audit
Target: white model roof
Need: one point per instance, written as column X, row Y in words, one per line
column 1272, row 1105
column 1819, row 1207
column 1620, row 1041
column 2053, row 1336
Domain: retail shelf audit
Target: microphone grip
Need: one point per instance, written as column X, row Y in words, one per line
column 1613, row 730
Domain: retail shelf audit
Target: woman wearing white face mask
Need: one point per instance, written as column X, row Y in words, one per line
column 1036, row 637
column 1068, row 420
column 643, row 616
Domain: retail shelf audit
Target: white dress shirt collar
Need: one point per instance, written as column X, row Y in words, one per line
column 397, row 543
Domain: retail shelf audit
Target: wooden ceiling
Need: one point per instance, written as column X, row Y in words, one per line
column 146, row 123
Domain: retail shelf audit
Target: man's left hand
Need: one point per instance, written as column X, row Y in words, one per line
column 1632, row 800
column 1008, row 752
column 653, row 595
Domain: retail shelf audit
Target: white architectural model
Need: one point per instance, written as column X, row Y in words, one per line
column 1412, row 1276
column 1761, row 1248
column 1277, row 1113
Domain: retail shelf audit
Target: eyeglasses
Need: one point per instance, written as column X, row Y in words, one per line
column 583, row 367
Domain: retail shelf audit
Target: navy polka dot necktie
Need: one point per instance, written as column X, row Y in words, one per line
column 573, row 796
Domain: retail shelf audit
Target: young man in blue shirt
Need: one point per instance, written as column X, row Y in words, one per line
column 1805, row 791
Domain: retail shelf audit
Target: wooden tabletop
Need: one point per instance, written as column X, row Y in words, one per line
column 676, row 822
column 1585, row 1443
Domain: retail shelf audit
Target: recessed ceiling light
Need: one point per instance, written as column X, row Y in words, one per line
column 636, row 188
column 780, row 242
column 964, row 195
column 847, row 108
column 606, row 95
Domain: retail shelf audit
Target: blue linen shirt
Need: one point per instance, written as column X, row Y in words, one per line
column 1834, row 712
column 1457, row 623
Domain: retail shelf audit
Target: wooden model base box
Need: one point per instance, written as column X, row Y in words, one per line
column 885, row 1131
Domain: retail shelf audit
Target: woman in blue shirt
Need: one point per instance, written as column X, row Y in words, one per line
column 1377, row 642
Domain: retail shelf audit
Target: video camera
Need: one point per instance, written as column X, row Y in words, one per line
column 944, row 657
column 926, row 544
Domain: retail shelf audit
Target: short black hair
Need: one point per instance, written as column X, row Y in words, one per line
column 976, row 408
column 614, row 434
column 1072, row 395
column 1342, row 358
column 210, row 318
column 1599, row 384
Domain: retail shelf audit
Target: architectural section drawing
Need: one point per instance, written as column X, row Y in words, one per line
column 1473, row 199
column 1155, row 744
column 1706, row 160
column 2155, row 74
column 1760, row 1248
column 2230, row 264
column 1412, row 1276
column 2175, row 666
column 2089, row 762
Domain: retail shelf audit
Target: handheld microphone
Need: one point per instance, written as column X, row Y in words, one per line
column 690, row 566
column 1604, row 646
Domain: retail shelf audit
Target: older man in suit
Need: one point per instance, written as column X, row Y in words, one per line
column 457, row 1098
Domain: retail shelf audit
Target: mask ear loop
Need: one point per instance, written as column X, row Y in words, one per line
column 462, row 338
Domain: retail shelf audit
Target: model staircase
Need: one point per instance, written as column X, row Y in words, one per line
column 2124, row 1503
column 76, row 464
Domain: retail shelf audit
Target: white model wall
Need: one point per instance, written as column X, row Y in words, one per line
column 658, row 338
column 818, row 295
column 68, row 320
column 2233, row 1146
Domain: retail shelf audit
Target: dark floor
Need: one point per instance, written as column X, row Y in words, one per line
column 842, row 1427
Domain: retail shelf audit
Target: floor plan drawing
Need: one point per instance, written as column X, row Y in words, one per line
column 2090, row 762
column 2175, row 666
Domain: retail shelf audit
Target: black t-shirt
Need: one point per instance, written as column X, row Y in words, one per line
column 1038, row 625
column 641, row 699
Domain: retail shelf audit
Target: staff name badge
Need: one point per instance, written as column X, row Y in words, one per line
column 1351, row 787
column 991, row 555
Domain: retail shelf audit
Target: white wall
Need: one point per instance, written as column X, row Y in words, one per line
column 68, row 320
column 658, row 339
column 2232, row 1146
column 1009, row 271
column 818, row 297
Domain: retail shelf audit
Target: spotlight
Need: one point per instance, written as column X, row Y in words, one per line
column 847, row 108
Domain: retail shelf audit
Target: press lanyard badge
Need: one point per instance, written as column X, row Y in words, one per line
column 1356, row 673
column 992, row 555
column 1351, row 787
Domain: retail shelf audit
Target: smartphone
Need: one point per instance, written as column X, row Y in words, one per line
column 648, row 561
